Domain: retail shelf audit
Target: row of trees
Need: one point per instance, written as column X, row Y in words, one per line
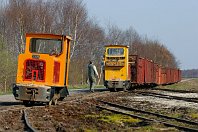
column 69, row 17
column 151, row 49
column 193, row 73
column 7, row 68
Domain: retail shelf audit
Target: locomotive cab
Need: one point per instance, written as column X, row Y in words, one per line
column 42, row 74
column 116, row 67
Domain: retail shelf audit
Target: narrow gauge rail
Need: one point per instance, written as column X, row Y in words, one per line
column 23, row 109
column 194, row 100
column 26, row 121
column 173, row 90
column 114, row 108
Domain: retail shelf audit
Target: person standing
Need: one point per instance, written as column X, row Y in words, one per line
column 92, row 74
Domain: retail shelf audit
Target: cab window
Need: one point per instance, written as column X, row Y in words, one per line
column 115, row 51
column 45, row 46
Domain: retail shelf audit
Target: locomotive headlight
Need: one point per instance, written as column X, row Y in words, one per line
column 41, row 64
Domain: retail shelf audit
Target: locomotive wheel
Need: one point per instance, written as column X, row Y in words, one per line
column 50, row 103
column 54, row 99
column 53, row 102
column 125, row 89
column 112, row 89
column 61, row 98
column 115, row 90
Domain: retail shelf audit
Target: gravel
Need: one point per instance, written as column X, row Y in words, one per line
column 166, row 103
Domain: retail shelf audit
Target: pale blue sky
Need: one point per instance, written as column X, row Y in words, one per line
column 173, row 22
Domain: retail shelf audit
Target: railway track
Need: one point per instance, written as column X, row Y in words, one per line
column 23, row 114
column 70, row 99
column 173, row 90
column 23, row 119
column 184, row 124
column 29, row 128
column 159, row 95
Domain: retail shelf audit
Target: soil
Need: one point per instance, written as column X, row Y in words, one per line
column 78, row 112
column 82, row 115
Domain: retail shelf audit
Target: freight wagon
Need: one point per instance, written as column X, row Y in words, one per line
column 125, row 71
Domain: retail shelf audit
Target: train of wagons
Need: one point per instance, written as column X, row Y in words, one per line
column 42, row 74
column 125, row 71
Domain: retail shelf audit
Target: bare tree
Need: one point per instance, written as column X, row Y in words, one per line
column 114, row 35
column 70, row 17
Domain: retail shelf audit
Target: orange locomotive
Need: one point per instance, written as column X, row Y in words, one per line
column 42, row 74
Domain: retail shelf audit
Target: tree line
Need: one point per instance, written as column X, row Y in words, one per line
column 192, row 73
column 70, row 17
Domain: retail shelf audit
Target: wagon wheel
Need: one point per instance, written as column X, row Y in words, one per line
column 125, row 89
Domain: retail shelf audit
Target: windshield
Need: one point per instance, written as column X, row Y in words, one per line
column 115, row 51
column 46, row 46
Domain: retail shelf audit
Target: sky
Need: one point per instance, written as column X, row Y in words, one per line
column 172, row 22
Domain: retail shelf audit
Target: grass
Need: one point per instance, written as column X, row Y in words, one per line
column 89, row 130
column 114, row 119
column 131, row 124
column 156, row 128
column 9, row 91
column 4, row 93
column 118, row 119
column 194, row 115
column 186, row 85
column 84, row 86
